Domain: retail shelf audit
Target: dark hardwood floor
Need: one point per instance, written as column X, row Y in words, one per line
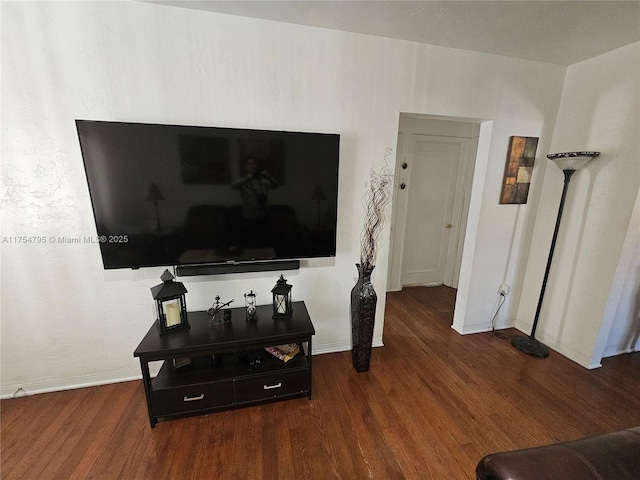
column 433, row 403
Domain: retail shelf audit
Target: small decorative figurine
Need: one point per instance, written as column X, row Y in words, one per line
column 216, row 308
column 250, row 303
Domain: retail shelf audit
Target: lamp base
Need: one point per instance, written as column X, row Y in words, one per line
column 530, row 346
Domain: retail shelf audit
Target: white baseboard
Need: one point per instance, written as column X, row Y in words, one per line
column 618, row 350
column 335, row 348
column 478, row 328
column 47, row 386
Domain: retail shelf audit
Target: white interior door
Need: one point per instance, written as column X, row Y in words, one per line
column 435, row 163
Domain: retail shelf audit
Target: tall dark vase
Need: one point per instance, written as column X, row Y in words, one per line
column 363, row 315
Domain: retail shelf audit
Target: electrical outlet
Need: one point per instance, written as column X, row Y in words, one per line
column 504, row 289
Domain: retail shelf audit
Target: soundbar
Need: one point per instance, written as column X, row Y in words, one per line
column 236, row 267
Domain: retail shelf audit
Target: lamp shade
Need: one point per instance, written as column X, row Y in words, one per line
column 318, row 193
column 154, row 193
column 572, row 160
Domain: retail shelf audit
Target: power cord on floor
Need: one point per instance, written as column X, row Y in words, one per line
column 504, row 336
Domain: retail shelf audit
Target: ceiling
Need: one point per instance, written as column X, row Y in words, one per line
column 554, row 31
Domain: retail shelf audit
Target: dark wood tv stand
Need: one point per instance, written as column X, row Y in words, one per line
column 221, row 374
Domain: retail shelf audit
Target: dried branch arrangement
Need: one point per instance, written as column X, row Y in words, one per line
column 375, row 200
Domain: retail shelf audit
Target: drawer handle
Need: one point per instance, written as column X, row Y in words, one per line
column 270, row 387
column 193, row 399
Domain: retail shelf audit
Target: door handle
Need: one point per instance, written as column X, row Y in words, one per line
column 447, row 225
column 271, row 387
column 193, row 399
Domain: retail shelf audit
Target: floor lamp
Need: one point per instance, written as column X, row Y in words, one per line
column 154, row 196
column 568, row 162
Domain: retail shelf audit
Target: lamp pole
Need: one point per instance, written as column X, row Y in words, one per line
column 154, row 195
column 568, row 162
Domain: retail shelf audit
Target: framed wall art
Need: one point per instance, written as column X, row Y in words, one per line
column 518, row 170
column 204, row 160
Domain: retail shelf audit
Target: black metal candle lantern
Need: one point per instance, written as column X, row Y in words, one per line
column 282, row 308
column 172, row 309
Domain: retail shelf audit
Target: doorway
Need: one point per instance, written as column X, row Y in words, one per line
column 434, row 170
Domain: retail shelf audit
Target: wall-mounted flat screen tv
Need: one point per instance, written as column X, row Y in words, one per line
column 169, row 195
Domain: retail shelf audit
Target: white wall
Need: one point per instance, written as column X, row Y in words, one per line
column 600, row 110
column 620, row 332
column 67, row 322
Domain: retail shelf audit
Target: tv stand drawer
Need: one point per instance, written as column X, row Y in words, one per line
column 191, row 398
column 271, row 385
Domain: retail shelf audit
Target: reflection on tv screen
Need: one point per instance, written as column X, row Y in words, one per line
column 181, row 195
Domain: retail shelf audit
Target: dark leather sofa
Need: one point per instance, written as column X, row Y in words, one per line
column 613, row 456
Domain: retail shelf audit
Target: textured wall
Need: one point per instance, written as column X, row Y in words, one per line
column 67, row 322
column 600, row 110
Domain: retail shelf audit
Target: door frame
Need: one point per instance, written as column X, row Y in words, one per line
column 460, row 212
column 464, row 183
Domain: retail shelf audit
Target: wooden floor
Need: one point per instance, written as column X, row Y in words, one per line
column 433, row 403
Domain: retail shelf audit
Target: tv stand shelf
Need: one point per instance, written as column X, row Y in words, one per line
column 221, row 374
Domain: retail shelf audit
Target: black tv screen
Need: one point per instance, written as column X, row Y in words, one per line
column 169, row 195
